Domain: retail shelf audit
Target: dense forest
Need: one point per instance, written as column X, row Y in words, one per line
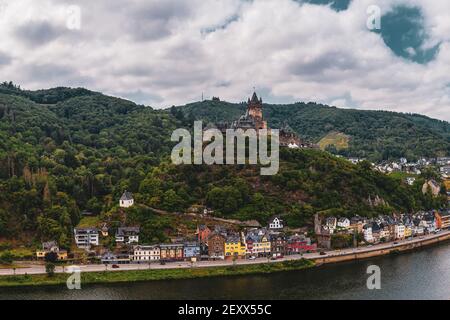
column 66, row 150
column 374, row 135
column 309, row 181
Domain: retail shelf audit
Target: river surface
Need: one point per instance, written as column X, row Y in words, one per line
column 423, row 274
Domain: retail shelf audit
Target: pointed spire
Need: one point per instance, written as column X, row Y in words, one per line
column 255, row 97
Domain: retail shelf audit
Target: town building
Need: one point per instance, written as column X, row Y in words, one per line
column 368, row 236
column 47, row 247
column 203, row 233
column 399, row 231
column 257, row 243
column 86, row 237
column 299, row 244
column 172, row 252
column 235, row 247
column 192, row 251
column 276, row 223
column 216, row 246
column 126, row 200
column 277, row 245
column 442, row 161
column 385, row 232
column 357, row 223
column 146, row 254
column 443, row 220
column 51, row 247
column 127, row 235
column 116, row 258
column 322, row 234
column 343, row 223
column 408, row 231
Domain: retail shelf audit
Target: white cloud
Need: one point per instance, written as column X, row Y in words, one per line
column 168, row 52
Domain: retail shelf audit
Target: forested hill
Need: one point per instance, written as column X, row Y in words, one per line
column 375, row 135
column 66, row 150
column 76, row 150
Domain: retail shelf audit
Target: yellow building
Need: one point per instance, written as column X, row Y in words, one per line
column 62, row 255
column 48, row 247
column 235, row 247
column 408, row 232
column 447, row 186
column 40, row 254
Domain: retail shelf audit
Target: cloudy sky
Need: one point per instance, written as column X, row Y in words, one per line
column 169, row 52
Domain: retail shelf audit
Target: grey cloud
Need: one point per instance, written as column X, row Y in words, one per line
column 153, row 21
column 57, row 74
column 165, row 52
column 49, row 71
column 38, row 33
column 5, row 59
column 325, row 61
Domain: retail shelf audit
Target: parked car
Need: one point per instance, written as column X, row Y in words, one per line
column 252, row 258
column 322, row 253
column 115, row 266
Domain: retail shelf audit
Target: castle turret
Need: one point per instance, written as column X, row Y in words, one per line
column 255, row 110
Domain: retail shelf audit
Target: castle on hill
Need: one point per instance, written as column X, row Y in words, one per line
column 253, row 119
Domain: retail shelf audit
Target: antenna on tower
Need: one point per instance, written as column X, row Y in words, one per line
column 202, row 97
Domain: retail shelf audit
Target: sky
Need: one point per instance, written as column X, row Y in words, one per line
column 171, row 52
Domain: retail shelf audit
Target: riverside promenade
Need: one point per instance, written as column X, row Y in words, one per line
column 335, row 256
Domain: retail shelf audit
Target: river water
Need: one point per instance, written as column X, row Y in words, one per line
column 423, row 274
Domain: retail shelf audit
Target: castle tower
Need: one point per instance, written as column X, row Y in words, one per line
column 255, row 111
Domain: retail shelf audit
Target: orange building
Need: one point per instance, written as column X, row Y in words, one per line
column 443, row 219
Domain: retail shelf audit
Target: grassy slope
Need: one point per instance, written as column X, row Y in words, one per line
column 338, row 139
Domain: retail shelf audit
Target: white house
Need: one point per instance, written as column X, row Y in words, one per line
column 343, row 223
column 418, row 230
column 331, row 223
column 276, row 223
column 126, row 200
column 368, row 236
column 385, row 234
column 127, row 235
column 410, row 180
column 146, row 254
column 86, row 237
column 399, row 231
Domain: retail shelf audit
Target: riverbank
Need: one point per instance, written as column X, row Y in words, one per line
column 93, row 274
column 383, row 249
column 156, row 274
